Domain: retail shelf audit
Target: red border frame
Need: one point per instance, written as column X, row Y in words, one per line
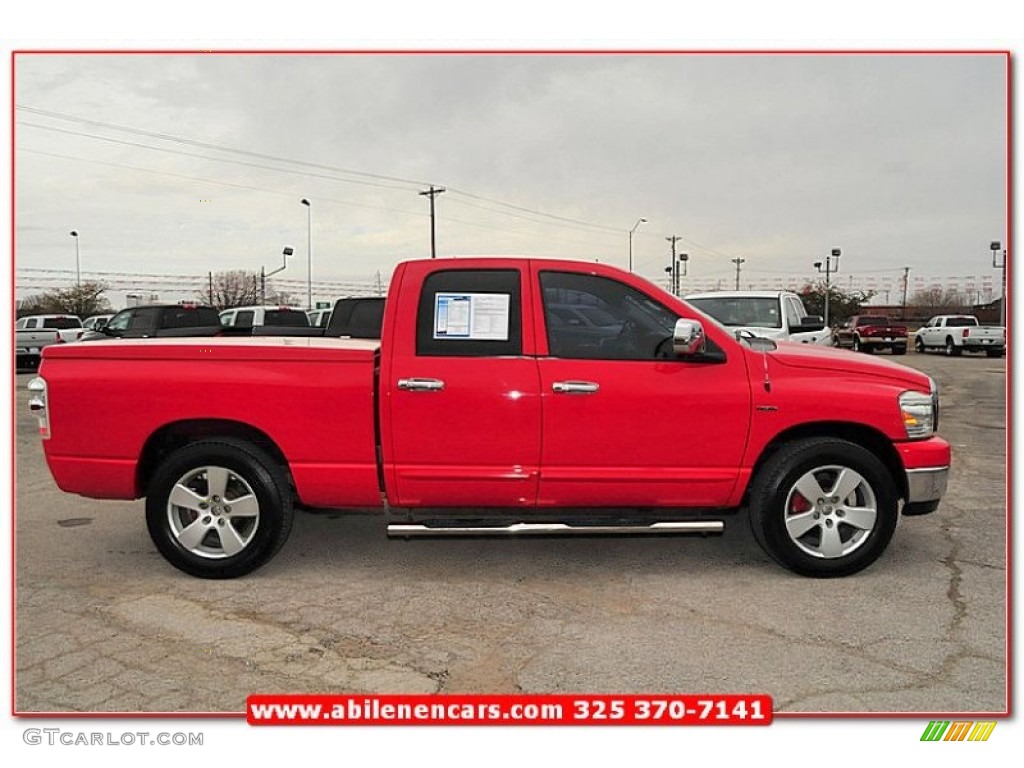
column 547, row 52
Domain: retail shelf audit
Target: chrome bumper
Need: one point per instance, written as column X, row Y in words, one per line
column 925, row 485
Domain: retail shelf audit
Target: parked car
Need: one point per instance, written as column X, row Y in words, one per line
column 869, row 333
column 35, row 332
column 954, row 334
column 154, row 320
column 778, row 315
column 247, row 317
column 475, row 414
column 95, row 322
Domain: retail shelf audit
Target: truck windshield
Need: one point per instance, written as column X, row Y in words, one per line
column 748, row 312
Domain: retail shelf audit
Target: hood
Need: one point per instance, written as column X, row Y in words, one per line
column 764, row 333
column 836, row 360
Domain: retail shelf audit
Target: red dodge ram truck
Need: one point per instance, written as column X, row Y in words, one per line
column 506, row 396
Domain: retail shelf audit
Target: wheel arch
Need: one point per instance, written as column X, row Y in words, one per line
column 859, row 434
column 178, row 434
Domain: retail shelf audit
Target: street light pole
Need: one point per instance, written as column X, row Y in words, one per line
column 78, row 260
column 673, row 267
column 835, row 254
column 288, row 251
column 638, row 223
column 309, row 253
column 995, row 246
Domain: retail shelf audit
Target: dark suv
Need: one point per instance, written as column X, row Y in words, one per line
column 159, row 320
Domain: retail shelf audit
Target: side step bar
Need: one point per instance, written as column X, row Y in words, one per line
column 406, row 530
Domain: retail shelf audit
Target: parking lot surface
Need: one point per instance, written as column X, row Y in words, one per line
column 104, row 624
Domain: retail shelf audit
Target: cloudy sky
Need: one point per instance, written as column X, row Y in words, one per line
column 173, row 166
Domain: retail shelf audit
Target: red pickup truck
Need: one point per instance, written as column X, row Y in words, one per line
column 867, row 333
column 488, row 409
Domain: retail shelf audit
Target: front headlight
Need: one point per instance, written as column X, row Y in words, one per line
column 918, row 413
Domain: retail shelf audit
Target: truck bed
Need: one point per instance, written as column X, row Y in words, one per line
column 312, row 397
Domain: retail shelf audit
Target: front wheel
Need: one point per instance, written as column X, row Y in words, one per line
column 823, row 507
column 219, row 509
column 919, row 346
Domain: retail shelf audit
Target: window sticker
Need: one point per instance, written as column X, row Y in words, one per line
column 474, row 316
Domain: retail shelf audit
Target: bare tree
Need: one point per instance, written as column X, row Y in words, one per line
column 83, row 300
column 236, row 288
column 936, row 299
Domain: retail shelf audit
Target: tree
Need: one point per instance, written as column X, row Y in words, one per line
column 936, row 299
column 83, row 300
column 841, row 304
column 236, row 288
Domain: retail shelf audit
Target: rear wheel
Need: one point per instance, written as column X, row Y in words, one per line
column 994, row 352
column 823, row 507
column 952, row 350
column 899, row 350
column 219, row 509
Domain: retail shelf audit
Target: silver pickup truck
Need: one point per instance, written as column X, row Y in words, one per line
column 955, row 334
column 35, row 332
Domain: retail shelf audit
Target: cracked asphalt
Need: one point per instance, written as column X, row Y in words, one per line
column 103, row 624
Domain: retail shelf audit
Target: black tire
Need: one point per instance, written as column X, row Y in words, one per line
column 952, row 350
column 831, row 544
column 919, row 346
column 994, row 352
column 899, row 350
column 856, row 344
column 203, row 535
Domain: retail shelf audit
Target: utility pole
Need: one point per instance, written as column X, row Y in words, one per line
column 738, row 261
column 432, row 193
column 673, row 267
column 906, row 283
column 995, row 246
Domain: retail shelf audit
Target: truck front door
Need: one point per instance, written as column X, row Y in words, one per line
column 462, row 416
column 625, row 422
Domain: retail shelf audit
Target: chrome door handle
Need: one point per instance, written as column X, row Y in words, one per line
column 421, row 385
column 575, row 387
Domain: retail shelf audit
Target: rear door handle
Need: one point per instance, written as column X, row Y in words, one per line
column 575, row 387
column 421, row 385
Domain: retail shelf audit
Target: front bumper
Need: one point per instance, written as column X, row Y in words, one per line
column 926, row 466
column 925, row 488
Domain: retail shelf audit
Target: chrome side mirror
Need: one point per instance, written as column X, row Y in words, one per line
column 688, row 339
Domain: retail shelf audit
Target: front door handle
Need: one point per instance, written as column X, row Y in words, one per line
column 575, row 387
column 421, row 385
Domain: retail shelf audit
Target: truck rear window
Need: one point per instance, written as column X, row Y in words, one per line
column 62, row 323
column 285, row 317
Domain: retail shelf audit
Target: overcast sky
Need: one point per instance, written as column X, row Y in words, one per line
column 182, row 164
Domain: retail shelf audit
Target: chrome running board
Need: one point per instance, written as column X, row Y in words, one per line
column 407, row 530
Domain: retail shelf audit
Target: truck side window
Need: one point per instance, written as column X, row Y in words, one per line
column 793, row 314
column 470, row 313
column 612, row 320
